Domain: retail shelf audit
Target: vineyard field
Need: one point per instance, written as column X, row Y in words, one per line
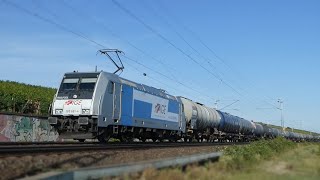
column 24, row 98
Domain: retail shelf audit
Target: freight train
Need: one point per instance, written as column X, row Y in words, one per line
column 103, row 105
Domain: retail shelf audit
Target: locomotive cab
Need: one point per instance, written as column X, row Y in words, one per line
column 72, row 108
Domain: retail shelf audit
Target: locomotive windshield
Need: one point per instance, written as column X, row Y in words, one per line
column 87, row 84
column 77, row 88
column 69, row 84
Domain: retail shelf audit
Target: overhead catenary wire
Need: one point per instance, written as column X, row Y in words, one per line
column 163, row 75
column 155, row 79
column 206, row 59
column 173, row 78
column 167, row 67
column 86, row 15
column 195, row 35
column 81, row 36
column 85, row 37
column 158, row 72
column 127, row 11
column 64, row 28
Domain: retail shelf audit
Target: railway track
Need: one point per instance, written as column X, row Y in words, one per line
column 24, row 148
column 47, row 143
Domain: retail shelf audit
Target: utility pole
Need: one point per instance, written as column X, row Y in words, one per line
column 281, row 109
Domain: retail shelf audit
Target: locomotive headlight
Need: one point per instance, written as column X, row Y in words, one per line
column 58, row 111
column 85, row 111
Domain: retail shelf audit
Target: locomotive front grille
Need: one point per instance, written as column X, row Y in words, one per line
column 83, row 120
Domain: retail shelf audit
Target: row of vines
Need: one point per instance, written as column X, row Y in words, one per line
column 24, row 98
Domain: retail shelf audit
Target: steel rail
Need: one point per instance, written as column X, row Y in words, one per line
column 31, row 149
column 47, row 143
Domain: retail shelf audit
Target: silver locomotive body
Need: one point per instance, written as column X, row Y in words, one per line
column 103, row 105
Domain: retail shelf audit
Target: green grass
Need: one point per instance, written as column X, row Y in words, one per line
column 299, row 163
column 239, row 157
column 272, row 159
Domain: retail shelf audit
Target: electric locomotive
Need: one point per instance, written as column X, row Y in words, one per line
column 103, row 105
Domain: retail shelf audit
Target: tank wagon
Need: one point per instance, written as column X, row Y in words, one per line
column 258, row 132
column 201, row 122
column 103, row 105
column 234, row 128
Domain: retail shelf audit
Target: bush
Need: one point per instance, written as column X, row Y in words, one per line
column 241, row 156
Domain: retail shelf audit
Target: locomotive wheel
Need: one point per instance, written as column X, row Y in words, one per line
column 101, row 139
column 122, row 139
column 130, row 139
column 104, row 138
column 81, row 140
column 143, row 139
column 126, row 139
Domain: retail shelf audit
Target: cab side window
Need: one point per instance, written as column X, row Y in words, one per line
column 110, row 87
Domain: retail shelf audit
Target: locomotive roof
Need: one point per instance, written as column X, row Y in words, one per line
column 81, row 74
column 116, row 78
column 139, row 86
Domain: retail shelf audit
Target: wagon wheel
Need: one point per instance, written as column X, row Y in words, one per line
column 173, row 139
column 124, row 139
column 208, row 139
column 143, row 139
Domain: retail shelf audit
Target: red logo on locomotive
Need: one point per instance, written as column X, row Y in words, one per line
column 72, row 102
column 160, row 109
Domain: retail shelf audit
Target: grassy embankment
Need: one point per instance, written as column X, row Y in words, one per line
column 276, row 159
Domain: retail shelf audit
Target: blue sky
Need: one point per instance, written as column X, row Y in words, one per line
column 266, row 50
